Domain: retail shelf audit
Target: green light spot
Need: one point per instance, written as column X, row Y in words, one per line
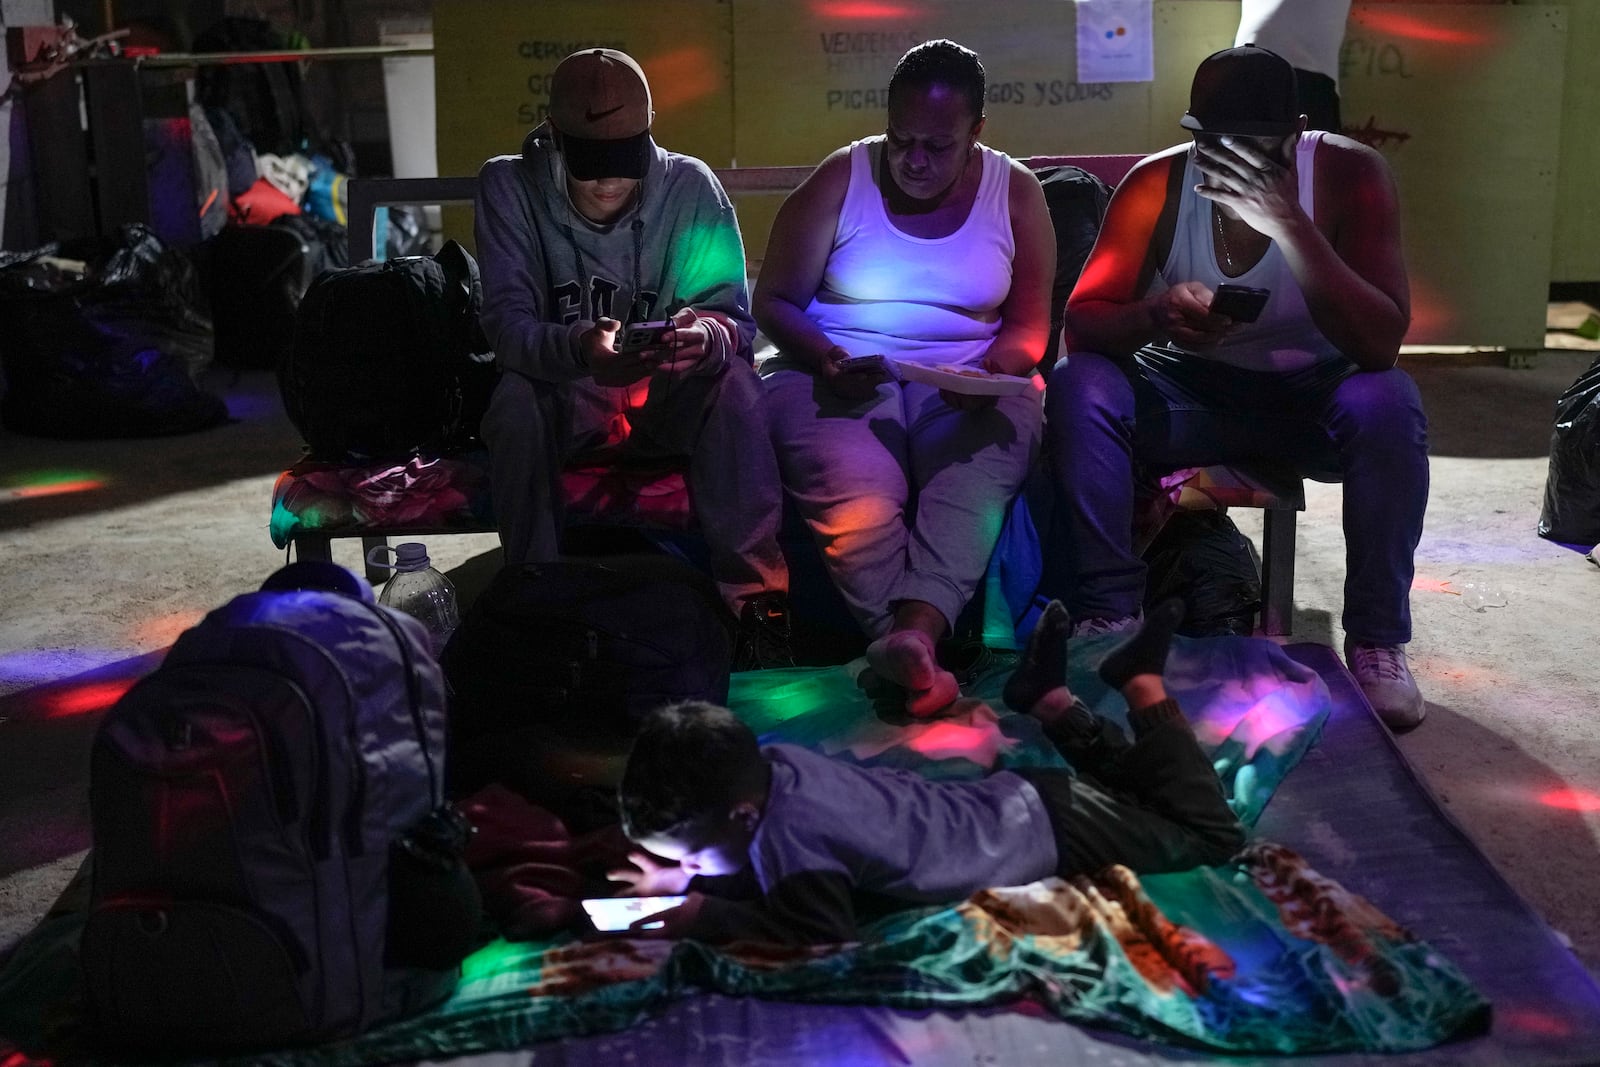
column 40, row 479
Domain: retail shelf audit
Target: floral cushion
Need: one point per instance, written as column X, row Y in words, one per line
column 450, row 494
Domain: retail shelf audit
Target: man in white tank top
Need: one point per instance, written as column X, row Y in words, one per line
column 1157, row 377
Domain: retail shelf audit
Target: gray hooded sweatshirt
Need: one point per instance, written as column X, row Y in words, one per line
column 549, row 273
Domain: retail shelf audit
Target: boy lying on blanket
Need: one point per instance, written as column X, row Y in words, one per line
column 777, row 841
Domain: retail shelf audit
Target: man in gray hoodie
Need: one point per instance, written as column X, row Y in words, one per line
column 592, row 229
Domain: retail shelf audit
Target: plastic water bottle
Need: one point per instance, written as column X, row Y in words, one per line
column 418, row 590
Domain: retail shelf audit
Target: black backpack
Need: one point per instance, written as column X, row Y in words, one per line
column 586, row 647
column 383, row 357
column 1077, row 201
column 273, row 862
column 270, row 103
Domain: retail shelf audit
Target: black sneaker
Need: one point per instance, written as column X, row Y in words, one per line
column 763, row 641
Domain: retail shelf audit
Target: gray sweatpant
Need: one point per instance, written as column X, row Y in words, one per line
column 716, row 422
column 904, row 494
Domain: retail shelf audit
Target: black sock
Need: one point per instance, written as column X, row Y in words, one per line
column 1146, row 651
column 1043, row 666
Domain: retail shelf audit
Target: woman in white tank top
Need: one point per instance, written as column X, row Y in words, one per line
column 924, row 245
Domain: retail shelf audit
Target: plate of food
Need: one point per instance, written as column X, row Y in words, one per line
column 962, row 378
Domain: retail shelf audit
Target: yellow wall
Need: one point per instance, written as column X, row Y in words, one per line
column 493, row 59
column 1461, row 100
column 1458, row 98
column 1577, row 238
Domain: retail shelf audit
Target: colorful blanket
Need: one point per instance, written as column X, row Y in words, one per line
column 1264, row 956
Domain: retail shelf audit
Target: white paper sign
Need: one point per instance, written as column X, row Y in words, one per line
column 1114, row 41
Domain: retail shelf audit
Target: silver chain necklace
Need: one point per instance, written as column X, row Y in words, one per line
column 1222, row 236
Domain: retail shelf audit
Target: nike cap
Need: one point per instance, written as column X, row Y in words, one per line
column 1247, row 91
column 600, row 108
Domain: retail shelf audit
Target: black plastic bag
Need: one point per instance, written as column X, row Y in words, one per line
column 111, row 352
column 1571, row 512
column 1202, row 557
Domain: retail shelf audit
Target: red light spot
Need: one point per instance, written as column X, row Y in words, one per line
column 164, row 629
column 1571, row 799
column 1533, row 1021
column 1433, row 314
column 1418, row 29
column 27, row 492
column 680, row 78
column 862, row 9
column 21, row 1059
column 85, row 699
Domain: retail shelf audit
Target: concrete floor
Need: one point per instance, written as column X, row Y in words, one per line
column 158, row 531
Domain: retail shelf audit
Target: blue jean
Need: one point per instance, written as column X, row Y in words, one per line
column 1166, row 410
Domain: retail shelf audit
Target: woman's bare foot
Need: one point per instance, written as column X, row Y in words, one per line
column 906, row 658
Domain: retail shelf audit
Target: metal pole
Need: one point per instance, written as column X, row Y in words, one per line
column 206, row 59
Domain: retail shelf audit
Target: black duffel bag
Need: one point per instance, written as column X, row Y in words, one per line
column 383, row 358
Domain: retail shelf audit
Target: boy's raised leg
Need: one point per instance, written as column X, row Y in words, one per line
column 1043, row 665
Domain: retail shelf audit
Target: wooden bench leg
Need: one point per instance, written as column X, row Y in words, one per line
column 313, row 547
column 1277, row 572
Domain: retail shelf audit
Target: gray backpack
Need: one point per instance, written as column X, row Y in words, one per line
column 266, row 806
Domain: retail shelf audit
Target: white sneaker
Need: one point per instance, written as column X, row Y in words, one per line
column 1384, row 677
column 1095, row 626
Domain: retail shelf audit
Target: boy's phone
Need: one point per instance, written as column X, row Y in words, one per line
column 1240, row 303
column 619, row 913
column 642, row 335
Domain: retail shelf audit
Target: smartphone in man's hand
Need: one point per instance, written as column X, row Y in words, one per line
column 642, row 335
column 1241, row 303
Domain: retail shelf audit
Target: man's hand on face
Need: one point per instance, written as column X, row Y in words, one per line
column 1183, row 315
column 1250, row 176
column 606, row 365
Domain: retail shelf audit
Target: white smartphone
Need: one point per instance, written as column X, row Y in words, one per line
column 619, row 913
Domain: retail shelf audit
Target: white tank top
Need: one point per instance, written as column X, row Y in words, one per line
column 1284, row 338
column 927, row 300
